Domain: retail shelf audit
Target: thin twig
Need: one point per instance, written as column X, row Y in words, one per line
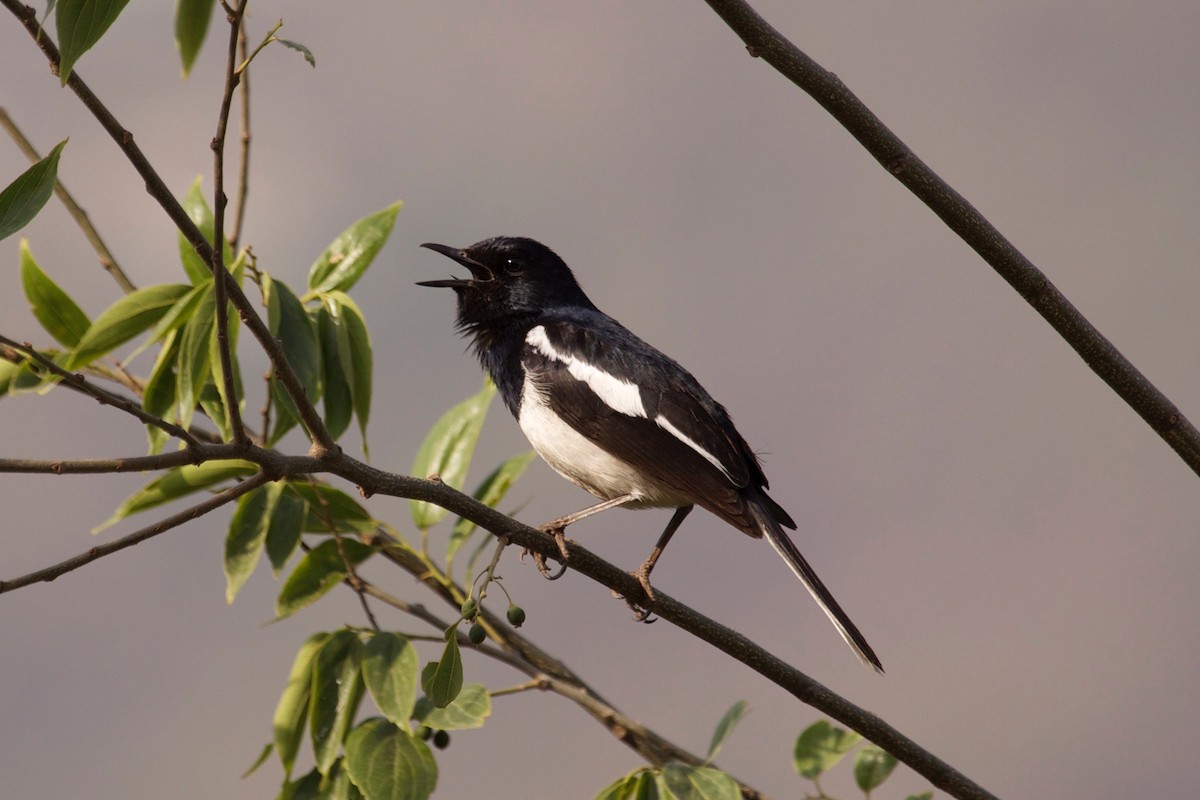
column 243, row 184
column 93, row 466
column 162, row 526
column 763, row 41
column 107, row 259
column 106, row 397
column 233, row 413
column 322, row 442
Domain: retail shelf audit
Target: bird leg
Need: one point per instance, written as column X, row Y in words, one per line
column 642, row 573
column 556, row 528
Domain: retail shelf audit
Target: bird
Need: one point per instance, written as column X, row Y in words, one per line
column 609, row 412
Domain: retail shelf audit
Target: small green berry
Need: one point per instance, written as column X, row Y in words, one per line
column 477, row 634
column 516, row 615
column 425, row 733
column 469, row 608
column 441, row 740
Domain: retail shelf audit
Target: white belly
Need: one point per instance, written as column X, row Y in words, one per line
column 580, row 461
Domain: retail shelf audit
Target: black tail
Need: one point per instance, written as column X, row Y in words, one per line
column 788, row 552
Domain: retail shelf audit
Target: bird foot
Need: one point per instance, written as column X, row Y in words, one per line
column 539, row 561
column 640, row 613
column 557, row 530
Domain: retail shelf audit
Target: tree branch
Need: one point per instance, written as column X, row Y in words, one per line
column 78, row 382
column 107, row 259
column 150, row 531
column 322, row 442
column 763, row 41
column 217, row 264
column 243, row 184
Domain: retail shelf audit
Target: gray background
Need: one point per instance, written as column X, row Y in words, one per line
column 1016, row 544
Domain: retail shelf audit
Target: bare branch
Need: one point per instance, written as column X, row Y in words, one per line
column 763, row 41
column 150, row 531
column 107, row 259
column 243, row 184
column 106, row 397
column 217, row 263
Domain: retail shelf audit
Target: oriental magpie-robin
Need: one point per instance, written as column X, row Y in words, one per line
column 609, row 412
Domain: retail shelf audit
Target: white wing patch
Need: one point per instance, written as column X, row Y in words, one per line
column 666, row 425
column 617, row 394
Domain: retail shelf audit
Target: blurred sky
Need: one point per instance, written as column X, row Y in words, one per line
column 1019, row 547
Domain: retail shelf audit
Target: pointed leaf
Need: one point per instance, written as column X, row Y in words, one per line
column 490, row 493
column 725, row 727
column 442, row 680
column 22, row 199
column 179, row 482
column 386, row 762
column 191, row 26
column 262, row 759
column 872, row 766
column 158, row 397
column 354, row 350
column 194, row 203
column 291, row 713
column 195, row 361
column 337, row 400
column 391, row 670
column 124, row 319
column 337, row 689
column 320, row 570
column 820, row 746
column 301, row 49
column 283, row 535
column 331, row 510
column 81, row 23
column 17, row 378
column 290, row 323
column 247, row 532
column 349, row 255
column 472, row 706
column 58, row 313
column 447, row 451
column 699, row 783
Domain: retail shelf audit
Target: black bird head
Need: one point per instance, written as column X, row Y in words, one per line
column 511, row 277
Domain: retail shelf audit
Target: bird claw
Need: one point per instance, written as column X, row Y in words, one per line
column 640, row 613
column 539, row 561
column 560, row 537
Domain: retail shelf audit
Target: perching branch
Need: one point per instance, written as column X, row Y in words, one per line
column 107, row 260
column 763, row 41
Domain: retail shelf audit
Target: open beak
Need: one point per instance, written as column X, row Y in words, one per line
column 459, row 255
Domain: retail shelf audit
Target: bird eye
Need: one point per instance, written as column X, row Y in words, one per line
column 513, row 266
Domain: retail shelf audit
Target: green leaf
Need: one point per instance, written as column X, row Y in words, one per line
column 17, row 378
column 191, row 26
column 331, row 510
column 291, row 713
column 493, row 489
column 247, row 532
column 446, row 451
column 179, row 482
column 386, row 762
column 354, row 351
column 124, row 319
column 180, row 312
column 872, row 766
column 262, row 759
column 195, row 361
column 699, row 783
column 725, row 727
column 349, row 255
column 283, row 535
column 338, row 402
column 392, row 671
column 214, row 398
column 22, row 199
column 641, row 784
column 472, row 706
column 198, row 270
column 442, row 680
column 81, row 23
column 301, row 49
column 921, row 796
column 337, row 689
column 320, row 570
column 820, row 746
column 290, row 323
column 158, row 398
column 51, row 306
